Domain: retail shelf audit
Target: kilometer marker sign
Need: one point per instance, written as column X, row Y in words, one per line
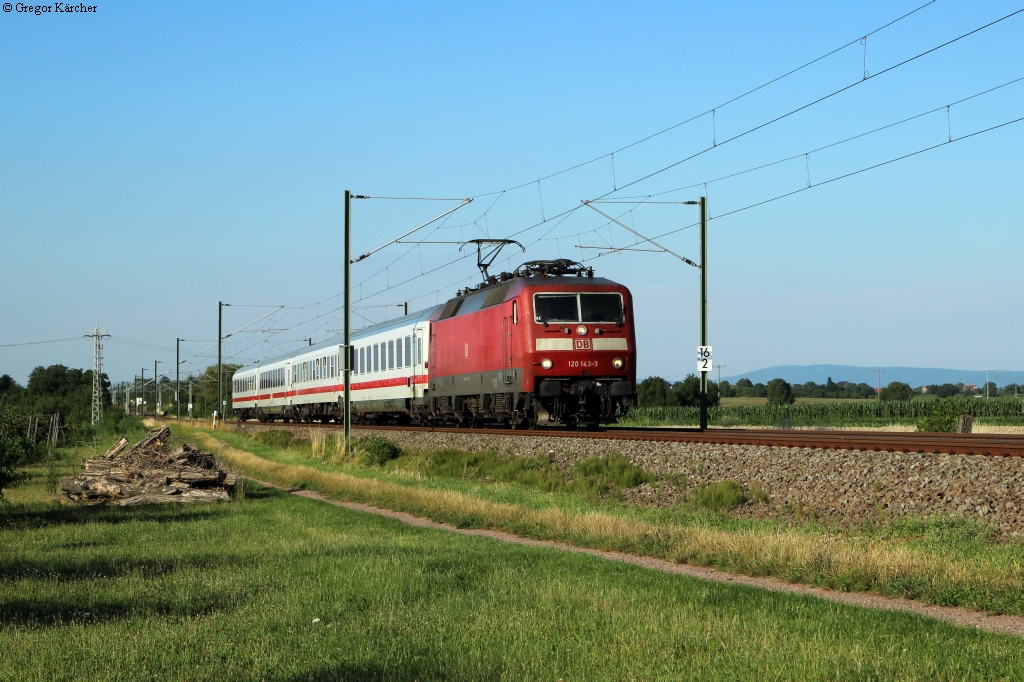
column 704, row 358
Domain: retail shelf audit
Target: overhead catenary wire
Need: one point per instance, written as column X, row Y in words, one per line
column 815, row 102
column 830, row 180
column 560, row 217
column 712, row 109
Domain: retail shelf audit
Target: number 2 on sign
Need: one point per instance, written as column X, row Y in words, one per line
column 704, row 365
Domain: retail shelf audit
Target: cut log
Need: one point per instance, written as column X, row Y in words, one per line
column 120, row 445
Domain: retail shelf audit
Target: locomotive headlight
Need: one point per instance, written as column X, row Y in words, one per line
column 581, row 330
column 546, row 363
column 618, row 363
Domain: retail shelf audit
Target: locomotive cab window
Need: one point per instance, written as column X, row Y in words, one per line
column 601, row 307
column 556, row 308
column 597, row 307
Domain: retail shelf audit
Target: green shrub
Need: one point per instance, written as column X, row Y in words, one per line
column 897, row 390
column 275, row 439
column 944, row 417
column 720, row 496
column 780, row 392
column 376, row 450
column 15, row 447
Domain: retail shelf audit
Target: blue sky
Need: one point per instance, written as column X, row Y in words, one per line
column 157, row 158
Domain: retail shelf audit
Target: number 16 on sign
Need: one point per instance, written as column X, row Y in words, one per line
column 704, row 358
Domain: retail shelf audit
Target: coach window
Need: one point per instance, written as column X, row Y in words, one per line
column 391, row 354
column 375, row 358
column 408, row 351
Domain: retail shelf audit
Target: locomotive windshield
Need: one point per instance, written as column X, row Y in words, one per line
column 577, row 308
column 601, row 307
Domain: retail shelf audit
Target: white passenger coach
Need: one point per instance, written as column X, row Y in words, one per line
column 389, row 375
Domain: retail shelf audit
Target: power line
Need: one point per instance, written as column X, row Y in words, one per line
column 830, row 180
column 814, row 102
column 944, row 107
column 38, row 343
column 714, row 108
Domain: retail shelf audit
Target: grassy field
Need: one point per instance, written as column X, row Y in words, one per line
column 275, row 587
column 949, row 561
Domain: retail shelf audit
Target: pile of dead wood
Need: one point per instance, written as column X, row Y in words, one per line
column 150, row 472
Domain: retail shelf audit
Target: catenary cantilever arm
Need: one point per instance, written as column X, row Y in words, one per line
column 370, row 253
column 686, row 260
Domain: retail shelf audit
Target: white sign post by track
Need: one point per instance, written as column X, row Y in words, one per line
column 704, row 363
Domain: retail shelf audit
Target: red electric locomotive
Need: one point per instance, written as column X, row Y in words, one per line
column 547, row 344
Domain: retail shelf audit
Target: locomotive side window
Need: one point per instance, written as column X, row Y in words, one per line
column 556, row 308
column 601, row 307
column 515, row 312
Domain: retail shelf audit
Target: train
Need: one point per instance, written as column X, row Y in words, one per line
column 548, row 344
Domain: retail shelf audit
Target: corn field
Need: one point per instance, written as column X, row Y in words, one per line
column 824, row 414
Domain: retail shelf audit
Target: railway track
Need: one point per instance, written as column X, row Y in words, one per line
column 997, row 445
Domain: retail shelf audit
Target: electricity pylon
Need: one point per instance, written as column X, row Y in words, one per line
column 97, row 373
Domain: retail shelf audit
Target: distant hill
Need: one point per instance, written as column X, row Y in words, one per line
column 915, row 376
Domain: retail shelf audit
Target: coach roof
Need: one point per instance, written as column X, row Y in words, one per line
column 333, row 343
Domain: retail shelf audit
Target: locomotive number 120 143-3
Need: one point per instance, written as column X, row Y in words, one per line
column 583, row 363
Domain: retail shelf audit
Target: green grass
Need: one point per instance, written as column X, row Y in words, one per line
column 276, row 587
column 942, row 560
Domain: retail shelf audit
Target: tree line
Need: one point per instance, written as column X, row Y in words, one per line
column 657, row 392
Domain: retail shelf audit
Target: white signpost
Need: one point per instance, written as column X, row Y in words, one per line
column 704, row 363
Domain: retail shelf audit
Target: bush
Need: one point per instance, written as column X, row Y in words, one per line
column 15, row 447
column 376, row 450
column 897, row 390
column 655, row 392
column 944, row 417
column 780, row 392
column 116, row 423
column 687, row 392
column 720, row 496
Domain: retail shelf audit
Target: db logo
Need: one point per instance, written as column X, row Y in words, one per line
column 581, row 344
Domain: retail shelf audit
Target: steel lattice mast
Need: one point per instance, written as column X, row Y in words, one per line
column 97, row 373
